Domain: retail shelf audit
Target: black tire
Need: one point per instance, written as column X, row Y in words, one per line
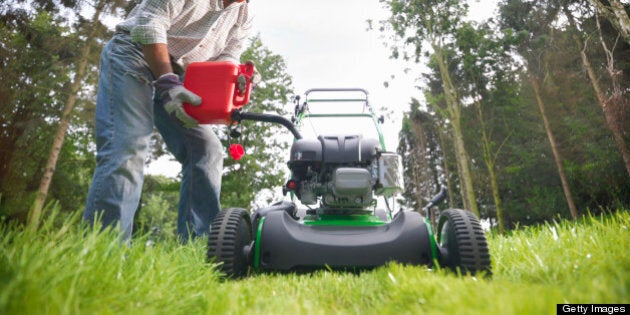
column 462, row 243
column 228, row 241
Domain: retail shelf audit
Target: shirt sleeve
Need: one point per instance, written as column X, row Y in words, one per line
column 236, row 38
column 153, row 20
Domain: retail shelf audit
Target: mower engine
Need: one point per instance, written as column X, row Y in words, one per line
column 344, row 172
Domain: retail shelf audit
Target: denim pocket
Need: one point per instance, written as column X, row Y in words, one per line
column 128, row 55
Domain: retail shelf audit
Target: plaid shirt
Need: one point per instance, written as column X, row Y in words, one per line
column 194, row 30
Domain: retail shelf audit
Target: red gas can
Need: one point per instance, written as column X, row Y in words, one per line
column 223, row 88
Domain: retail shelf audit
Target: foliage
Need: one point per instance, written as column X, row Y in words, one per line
column 43, row 52
column 552, row 54
column 430, row 28
column 75, row 270
column 36, row 64
column 489, row 64
column 422, row 157
column 157, row 212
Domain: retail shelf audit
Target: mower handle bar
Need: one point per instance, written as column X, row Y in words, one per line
column 337, row 90
column 436, row 199
column 238, row 116
column 336, row 100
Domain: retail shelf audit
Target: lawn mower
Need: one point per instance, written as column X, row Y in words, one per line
column 342, row 189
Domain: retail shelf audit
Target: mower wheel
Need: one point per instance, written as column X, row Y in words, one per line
column 381, row 214
column 230, row 235
column 462, row 243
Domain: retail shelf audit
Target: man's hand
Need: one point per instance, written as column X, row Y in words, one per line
column 256, row 77
column 173, row 95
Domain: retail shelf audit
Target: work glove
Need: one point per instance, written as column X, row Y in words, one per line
column 256, row 77
column 173, row 95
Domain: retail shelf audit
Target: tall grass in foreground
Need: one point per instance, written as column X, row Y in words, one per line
column 70, row 270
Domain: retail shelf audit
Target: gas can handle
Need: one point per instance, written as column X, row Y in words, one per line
column 243, row 84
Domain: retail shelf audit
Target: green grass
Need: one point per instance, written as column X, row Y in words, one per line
column 74, row 271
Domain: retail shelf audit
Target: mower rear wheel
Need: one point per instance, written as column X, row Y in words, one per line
column 462, row 244
column 230, row 235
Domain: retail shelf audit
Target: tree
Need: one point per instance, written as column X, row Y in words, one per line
column 616, row 107
column 435, row 23
column 50, row 66
column 35, row 66
column 526, row 108
column 421, row 156
column 554, row 147
column 485, row 76
column 526, row 18
column 92, row 29
column 616, row 13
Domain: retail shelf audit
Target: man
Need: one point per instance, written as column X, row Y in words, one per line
column 140, row 85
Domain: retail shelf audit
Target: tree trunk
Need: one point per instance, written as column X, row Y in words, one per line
column 617, row 113
column 461, row 155
column 490, row 160
column 615, row 108
column 49, row 170
column 494, row 184
column 616, row 14
column 447, row 173
column 420, row 158
column 554, row 149
column 623, row 18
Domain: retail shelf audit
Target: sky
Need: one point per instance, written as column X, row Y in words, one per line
column 327, row 44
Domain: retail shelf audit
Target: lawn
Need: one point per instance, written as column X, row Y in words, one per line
column 69, row 270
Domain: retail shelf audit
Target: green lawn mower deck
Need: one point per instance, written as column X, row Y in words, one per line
column 284, row 243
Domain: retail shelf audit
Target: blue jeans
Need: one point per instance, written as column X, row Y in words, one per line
column 126, row 112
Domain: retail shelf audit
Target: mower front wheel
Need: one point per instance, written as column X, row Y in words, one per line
column 462, row 243
column 230, row 235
